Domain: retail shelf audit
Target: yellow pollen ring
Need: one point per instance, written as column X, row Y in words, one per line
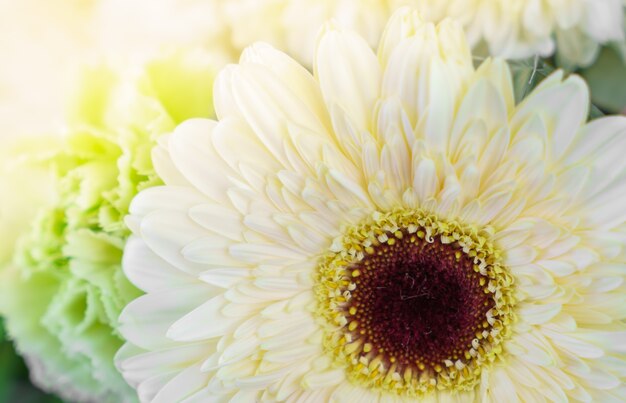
column 366, row 363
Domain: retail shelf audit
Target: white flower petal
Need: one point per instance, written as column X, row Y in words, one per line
column 254, row 253
column 483, row 103
column 147, row 270
column 225, row 277
column 164, row 166
column 167, row 232
column 182, row 385
column 574, row 345
column 165, row 197
column 190, row 149
column 537, row 314
column 204, row 322
column 611, row 341
column 563, row 107
column 501, row 388
column 296, row 77
column 267, row 104
column 145, row 320
column 218, row 219
column 348, row 73
column 520, row 256
column 425, row 180
column 325, row 379
column 149, row 388
column 151, row 363
column 236, row 144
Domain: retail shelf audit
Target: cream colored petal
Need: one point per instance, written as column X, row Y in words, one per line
column 225, row 277
column 193, row 154
column 402, row 24
column 145, row 321
column 604, row 21
column 164, row 166
column 268, row 254
column 223, row 100
column 606, row 209
column 187, row 382
column 425, row 179
column 296, row 77
column 566, row 15
column 500, row 387
column 146, row 364
column 148, row 271
column 610, row 341
column 204, row 322
column 210, row 251
column 483, row 103
column 347, row 392
column 598, row 146
column 532, row 351
column 218, row 219
column 575, row 47
column 165, row 197
column 573, row 344
column 325, row 379
column 150, row 387
column 537, row 18
column 167, row 232
column 520, row 255
column 237, row 144
column 267, row 104
column 536, row 314
column 396, row 162
column 205, row 395
column 563, row 107
column 349, row 74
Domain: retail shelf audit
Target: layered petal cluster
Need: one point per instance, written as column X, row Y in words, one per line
column 228, row 251
column 63, row 289
column 35, row 189
column 510, row 28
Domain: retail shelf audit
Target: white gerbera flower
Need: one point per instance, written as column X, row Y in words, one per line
column 390, row 228
column 511, row 28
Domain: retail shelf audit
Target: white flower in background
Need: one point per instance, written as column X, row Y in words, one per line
column 44, row 45
column 293, row 25
column 38, row 41
column 390, row 228
column 510, row 28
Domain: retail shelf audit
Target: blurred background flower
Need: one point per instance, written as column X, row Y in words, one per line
column 586, row 37
column 63, row 290
column 44, row 48
column 45, row 43
column 14, row 382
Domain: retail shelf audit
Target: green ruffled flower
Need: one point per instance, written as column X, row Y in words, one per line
column 63, row 290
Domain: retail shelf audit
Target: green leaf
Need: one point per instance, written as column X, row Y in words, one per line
column 607, row 81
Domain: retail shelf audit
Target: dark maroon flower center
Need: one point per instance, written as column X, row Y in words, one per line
column 417, row 303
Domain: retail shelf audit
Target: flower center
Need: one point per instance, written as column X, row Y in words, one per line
column 419, row 301
column 414, row 304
